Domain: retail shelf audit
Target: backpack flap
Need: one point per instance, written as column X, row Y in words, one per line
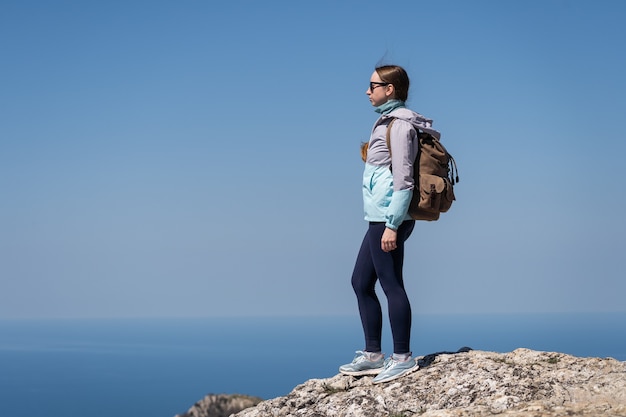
column 435, row 194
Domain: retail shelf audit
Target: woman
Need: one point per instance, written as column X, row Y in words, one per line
column 387, row 191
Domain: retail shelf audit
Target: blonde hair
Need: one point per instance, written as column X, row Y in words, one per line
column 364, row 147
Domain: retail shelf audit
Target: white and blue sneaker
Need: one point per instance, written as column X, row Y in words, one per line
column 364, row 363
column 395, row 369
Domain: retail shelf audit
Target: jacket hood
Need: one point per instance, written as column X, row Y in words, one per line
column 420, row 122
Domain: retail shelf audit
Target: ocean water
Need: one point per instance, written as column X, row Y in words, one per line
column 161, row 367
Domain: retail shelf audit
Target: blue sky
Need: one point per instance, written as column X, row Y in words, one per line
column 196, row 158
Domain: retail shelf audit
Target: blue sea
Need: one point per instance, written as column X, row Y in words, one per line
column 161, row 367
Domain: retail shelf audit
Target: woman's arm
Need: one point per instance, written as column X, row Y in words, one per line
column 403, row 141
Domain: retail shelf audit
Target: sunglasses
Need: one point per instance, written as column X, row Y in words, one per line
column 374, row 84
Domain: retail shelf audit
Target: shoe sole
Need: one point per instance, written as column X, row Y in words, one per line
column 363, row 372
column 396, row 376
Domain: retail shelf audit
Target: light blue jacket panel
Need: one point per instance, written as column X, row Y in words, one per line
column 387, row 192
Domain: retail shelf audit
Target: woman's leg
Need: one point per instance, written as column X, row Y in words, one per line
column 364, row 283
column 388, row 269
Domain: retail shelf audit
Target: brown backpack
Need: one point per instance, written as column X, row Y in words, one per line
column 435, row 174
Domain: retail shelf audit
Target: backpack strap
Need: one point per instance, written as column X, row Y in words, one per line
column 454, row 171
column 388, row 135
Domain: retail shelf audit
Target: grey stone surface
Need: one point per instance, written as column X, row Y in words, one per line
column 477, row 383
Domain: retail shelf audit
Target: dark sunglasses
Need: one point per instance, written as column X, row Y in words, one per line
column 374, row 84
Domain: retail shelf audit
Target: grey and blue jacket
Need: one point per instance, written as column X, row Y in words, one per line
column 387, row 192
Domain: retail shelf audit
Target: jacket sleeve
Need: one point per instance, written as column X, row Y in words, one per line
column 403, row 139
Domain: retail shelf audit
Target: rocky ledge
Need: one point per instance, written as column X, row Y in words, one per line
column 475, row 383
column 220, row 405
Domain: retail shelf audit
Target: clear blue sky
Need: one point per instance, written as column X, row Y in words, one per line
column 198, row 158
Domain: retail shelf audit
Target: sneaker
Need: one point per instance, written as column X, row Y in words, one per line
column 395, row 369
column 361, row 365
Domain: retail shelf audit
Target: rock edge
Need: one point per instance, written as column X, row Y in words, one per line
column 220, row 405
column 477, row 383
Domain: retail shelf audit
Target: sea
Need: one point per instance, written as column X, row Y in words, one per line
column 161, row 367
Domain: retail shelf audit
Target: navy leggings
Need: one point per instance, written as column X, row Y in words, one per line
column 373, row 264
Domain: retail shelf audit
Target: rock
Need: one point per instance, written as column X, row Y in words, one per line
column 220, row 405
column 522, row 383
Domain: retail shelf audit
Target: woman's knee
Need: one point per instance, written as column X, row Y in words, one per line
column 394, row 290
column 361, row 286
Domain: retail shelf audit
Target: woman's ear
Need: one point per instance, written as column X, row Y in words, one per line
column 390, row 92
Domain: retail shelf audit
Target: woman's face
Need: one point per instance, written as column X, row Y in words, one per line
column 378, row 91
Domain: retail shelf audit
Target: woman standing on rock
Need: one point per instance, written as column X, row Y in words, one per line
column 387, row 193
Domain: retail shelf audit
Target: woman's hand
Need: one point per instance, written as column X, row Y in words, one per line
column 389, row 239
